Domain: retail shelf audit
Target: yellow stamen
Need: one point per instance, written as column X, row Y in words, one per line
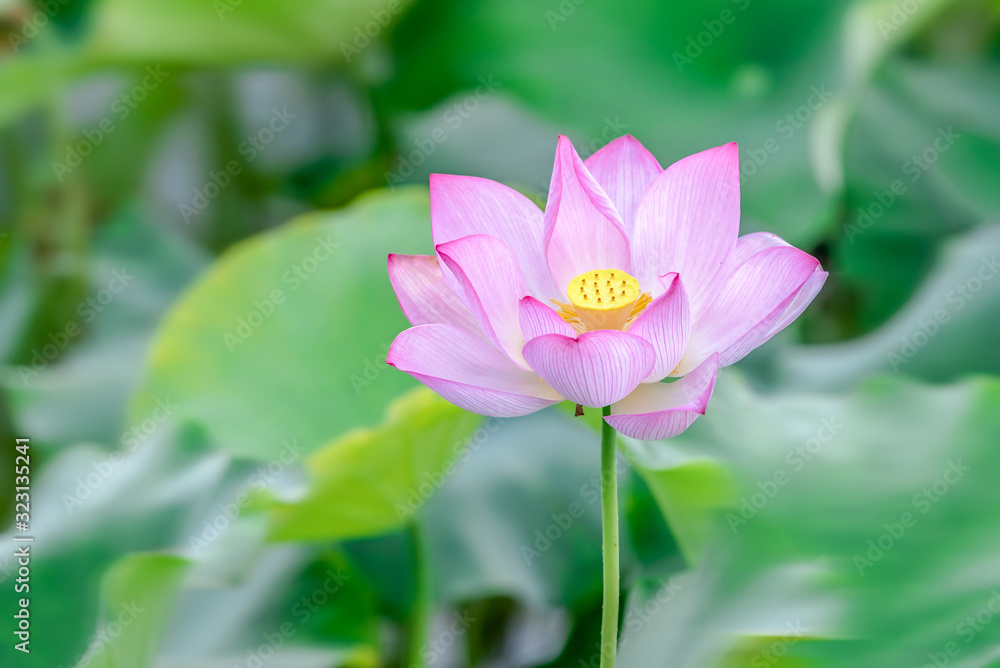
column 589, row 308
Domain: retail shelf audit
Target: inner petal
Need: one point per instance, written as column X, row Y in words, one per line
column 603, row 298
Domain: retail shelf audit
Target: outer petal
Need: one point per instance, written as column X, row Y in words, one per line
column 750, row 244
column 624, row 169
column 688, row 221
column 665, row 324
column 466, row 205
column 749, row 305
column 663, row 410
column 538, row 319
column 800, row 301
column 488, row 274
column 424, row 294
column 468, row 371
column 583, row 231
column 596, row 369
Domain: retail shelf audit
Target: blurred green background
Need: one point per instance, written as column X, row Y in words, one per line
column 196, row 202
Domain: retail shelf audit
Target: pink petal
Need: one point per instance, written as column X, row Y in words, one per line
column 753, row 243
column 665, row 324
column 424, row 294
column 488, row 274
column 468, row 371
column 596, row 369
column 737, row 319
column 537, row 319
column 465, row 205
column 663, row 410
column 800, row 301
column 749, row 245
column 687, row 222
column 624, row 169
column 583, row 231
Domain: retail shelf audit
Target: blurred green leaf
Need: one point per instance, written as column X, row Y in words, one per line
column 689, row 492
column 918, row 171
column 234, row 31
column 137, row 597
column 311, row 606
column 372, row 481
column 28, row 82
column 521, row 517
column 287, row 333
column 137, row 268
column 861, row 521
column 947, row 330
column 688, row 488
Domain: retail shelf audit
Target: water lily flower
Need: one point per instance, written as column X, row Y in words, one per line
column 629, row 291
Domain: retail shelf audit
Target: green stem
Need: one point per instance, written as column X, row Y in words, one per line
column 418, row 622
column 609, row 517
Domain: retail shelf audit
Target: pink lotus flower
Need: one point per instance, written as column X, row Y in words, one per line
column 633, row 274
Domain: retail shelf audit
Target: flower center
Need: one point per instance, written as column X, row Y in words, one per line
column 603, row 299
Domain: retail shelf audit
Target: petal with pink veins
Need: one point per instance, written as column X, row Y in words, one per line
column 468, row 371
column 624, row 169
column 596, row 369
column 800, row 301
column 663, row 410
column 537, row 319
column 749, row 305
column 424, row 294
column 688, row 221
column 583, row 231
column 465, row 205
column 488, row 274
column 665, row 324
column 750, row 244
